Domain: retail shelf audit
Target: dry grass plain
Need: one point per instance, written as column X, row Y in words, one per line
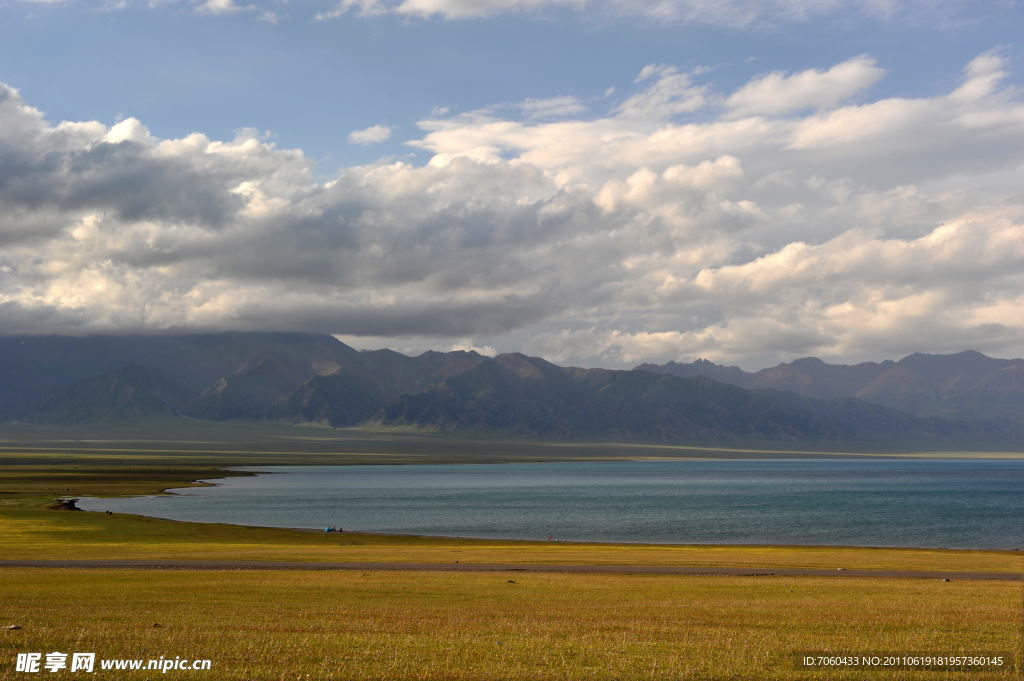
column 408, row 625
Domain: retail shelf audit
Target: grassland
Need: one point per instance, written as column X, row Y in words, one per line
column 385, row 625
column 437, row 625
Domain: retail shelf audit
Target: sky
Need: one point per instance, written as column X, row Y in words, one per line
column 597, row 182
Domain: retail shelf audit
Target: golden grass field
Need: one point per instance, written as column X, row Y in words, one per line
column 414, row 625
column 293, row 624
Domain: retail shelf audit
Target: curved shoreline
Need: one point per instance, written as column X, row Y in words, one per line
column 255, row 471
column 542, row 542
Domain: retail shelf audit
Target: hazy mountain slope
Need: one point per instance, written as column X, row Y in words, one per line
column 217, row 376
column 200, row 361
column 965, row 385
column 131, row 392
column 350, row 395
column 258, row 383
column 517, row 394
column 702, row 367
column 920, row 384
column 941, row 369
column 344, row 398
column 999, row 395
column 411, row 374
column 446, row 364
column 814, row 378
column 31, row 366
column 507, row 393
column 224, row 400
column 902, row 388
column 223, row 377
column 808, row 376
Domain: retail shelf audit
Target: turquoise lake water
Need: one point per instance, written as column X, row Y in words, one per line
column 865, row 502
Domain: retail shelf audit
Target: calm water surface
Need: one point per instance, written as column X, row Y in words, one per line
column 876, row 502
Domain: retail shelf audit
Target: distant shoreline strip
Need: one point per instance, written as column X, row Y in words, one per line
column 502, row 567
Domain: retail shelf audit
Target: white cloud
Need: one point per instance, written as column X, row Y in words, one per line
column 553, row 107
column 415, row 345
column 456, row 9
column 222, row 7
column 779, row 93
column 672, row 93
column 884, row 226
column 129, row 129
column 981, row 77
column 363, row 8
column 645, row 188
column 737, row 13
column 371, row 135
column 466, row 345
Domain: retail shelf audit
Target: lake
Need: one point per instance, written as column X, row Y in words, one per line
column 951, row 503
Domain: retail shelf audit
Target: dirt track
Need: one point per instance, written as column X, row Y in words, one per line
column 484, row 567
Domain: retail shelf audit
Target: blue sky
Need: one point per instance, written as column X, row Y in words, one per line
column 601, row 183
column 309, row 83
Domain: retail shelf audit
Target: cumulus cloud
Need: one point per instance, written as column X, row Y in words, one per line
column 808, row 225
column 778, row 93
column 371, row 135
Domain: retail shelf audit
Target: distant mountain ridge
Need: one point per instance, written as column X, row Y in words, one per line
column 294, row 378
column 966, row 385
column 316, row 379
column 518, row 394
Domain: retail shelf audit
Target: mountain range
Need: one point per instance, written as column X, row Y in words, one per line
column 966, row 385
column 316, row 379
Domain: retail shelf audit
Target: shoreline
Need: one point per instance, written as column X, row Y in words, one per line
column 239, row 471
column 542, row 542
